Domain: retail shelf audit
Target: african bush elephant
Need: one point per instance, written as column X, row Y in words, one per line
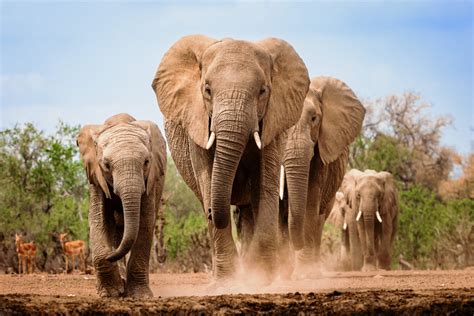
column 125, row 162
column 215, row 95
column 314, row 163
column 372, row 195
column 344, row 218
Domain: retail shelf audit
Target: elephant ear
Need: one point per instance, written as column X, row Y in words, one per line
column 336, row 217
column 177, row 85
column 290, row 83
column 87, row 149
column 349, row 184
column 158, row 153
column 390, row 196
column 342, row 117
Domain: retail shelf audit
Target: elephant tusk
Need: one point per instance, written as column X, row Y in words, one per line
column 257, row 140
column 358, row 215
column 378, row 216
column 282, row 182
column 211, row 140
column 344, row 226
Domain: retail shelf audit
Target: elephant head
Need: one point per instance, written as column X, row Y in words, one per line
column 224, row 92
column 122, row 158
column 374, row 198
column 331, row 119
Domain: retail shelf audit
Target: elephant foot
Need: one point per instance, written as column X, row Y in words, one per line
column 286, row 273
column 110, row 285
column 220, row 286
column 368, row 268
column 307, row 271
column 136, row 291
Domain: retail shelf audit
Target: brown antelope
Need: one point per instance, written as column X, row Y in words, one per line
column 26, row 255
column 73, row 248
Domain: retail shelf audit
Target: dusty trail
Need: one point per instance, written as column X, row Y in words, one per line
column 411, row 292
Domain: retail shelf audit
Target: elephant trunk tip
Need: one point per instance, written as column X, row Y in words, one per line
column 121, row 251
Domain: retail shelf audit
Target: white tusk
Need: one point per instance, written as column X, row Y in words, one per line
column 282, row 182
column 358, row 215
column 257, row 140
column 211, row 140
column 344, row 226
column 378, row 216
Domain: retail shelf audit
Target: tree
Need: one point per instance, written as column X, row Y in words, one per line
column 42, row 184
column 398, row 136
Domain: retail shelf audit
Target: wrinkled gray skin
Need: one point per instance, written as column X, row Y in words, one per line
column 125, row 162
column 369, row 192
column 315, row 158
column 234, row 89
column 344, row 218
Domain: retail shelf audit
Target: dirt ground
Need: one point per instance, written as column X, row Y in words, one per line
column 392, row 292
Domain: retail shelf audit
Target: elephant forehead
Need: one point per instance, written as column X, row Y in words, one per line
column 123, row 133
column 369, row 183
column 243, row 52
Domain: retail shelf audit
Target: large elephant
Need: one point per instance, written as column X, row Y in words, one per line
column 215, row 95
column 125, row 162
column 315, row 159
column 373, row 200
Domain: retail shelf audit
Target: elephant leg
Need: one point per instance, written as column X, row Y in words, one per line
column 306, row 264
column 116, row 232
column 383, row 255
column 264, row 245
column 245, row 228
column 65, row 260
column 109, row 282
column 345, row 260
column 138, row 283
column 224, row 252
column 285, row 253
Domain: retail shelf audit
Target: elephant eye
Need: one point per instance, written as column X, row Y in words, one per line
column 146, row 162
column 263, row 89
column 107, row 165
column 207, row 90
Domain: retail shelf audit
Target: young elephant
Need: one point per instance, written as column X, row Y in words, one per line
column 125, row 161
column 373, row 200
column 314, row 163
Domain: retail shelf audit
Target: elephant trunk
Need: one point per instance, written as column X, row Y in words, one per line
column 297, row 181
column 130, row 188
column 369, row 235
column 232, row 124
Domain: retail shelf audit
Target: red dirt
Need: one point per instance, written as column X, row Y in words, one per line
column 397, row 292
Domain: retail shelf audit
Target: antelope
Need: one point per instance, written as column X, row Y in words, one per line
column 73, row 249
column 26, row 255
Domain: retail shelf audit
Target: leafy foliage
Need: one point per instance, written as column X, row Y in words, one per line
column 42, row 184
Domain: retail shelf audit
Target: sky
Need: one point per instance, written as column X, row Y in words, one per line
column 82, row 62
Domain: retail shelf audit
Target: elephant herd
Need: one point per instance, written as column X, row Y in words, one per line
column 245, row 127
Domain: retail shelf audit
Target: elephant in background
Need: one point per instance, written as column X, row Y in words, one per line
column 344, row 218
column 125, row 162
column 373, row 201
column 314, row 163
column 226, row 104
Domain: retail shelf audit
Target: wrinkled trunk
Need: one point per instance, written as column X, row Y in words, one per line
column 232, row 127
column 355, row 247
column 297, row 181
column 130, row 188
